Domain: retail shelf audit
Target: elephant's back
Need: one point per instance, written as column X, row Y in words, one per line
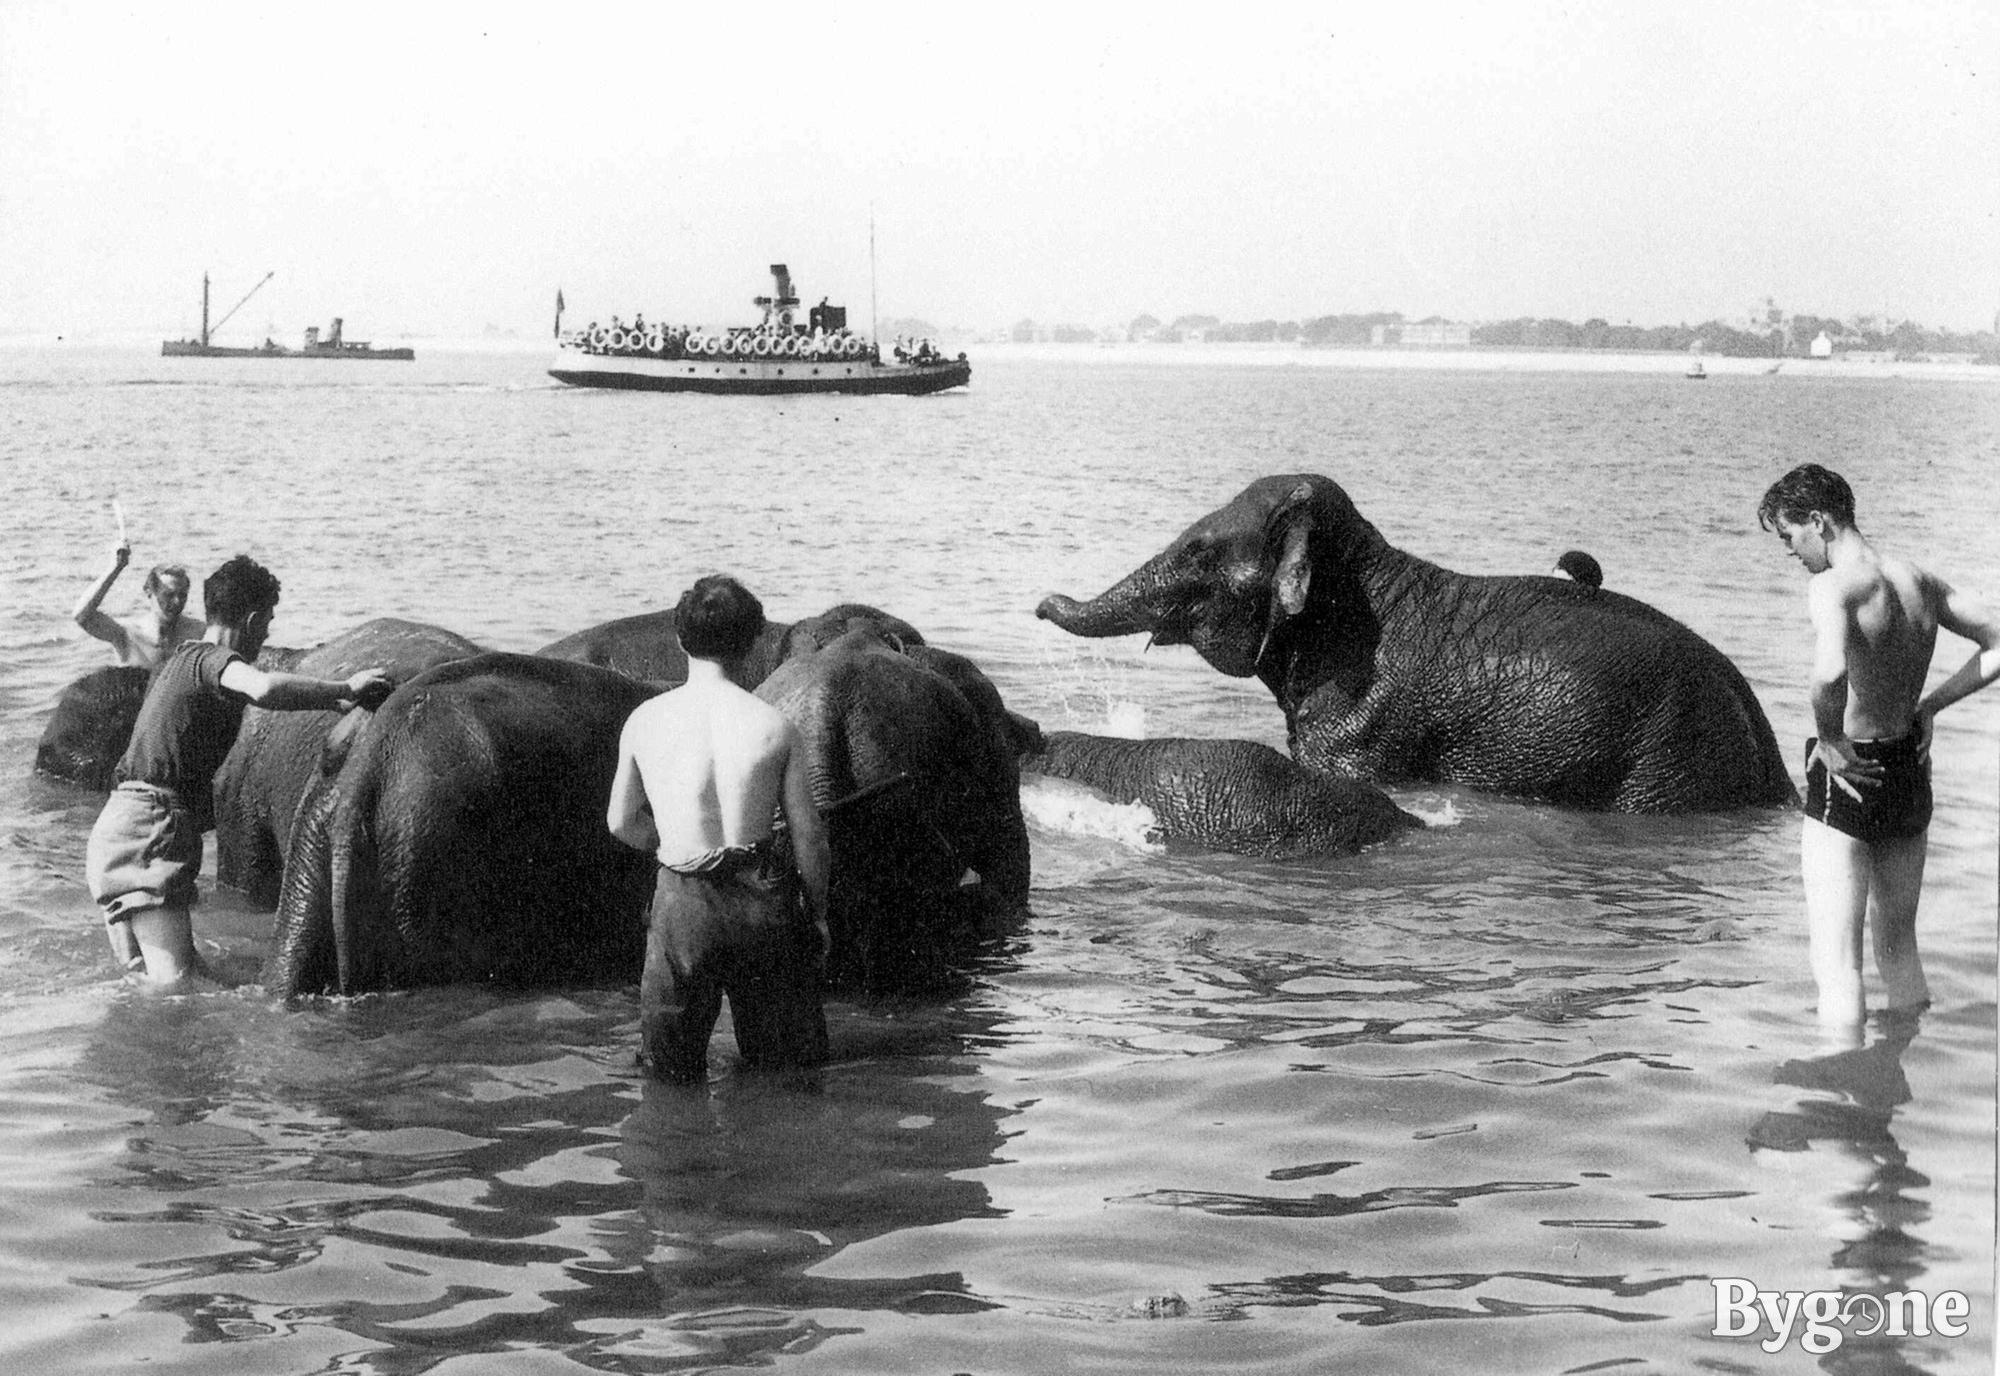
column 1668, row 722
column 276, row 754
column 645, row 646
column 91, row 726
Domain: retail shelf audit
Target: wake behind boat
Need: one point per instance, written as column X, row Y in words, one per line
column 777, row 356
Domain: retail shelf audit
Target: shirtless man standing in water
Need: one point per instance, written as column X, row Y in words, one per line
column 704, row 771
column 148, row 641
column 1868, row 789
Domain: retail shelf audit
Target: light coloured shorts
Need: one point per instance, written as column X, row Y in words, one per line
column 144, row 852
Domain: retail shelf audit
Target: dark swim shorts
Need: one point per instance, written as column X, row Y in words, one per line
column 1897, row 807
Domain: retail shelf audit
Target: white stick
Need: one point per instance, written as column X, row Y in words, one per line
column 118, row 514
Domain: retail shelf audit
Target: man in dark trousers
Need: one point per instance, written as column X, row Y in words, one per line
column 704, row 773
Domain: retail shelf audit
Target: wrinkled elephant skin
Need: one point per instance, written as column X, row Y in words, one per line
column 918, row 784
column 277, row 754
column 1389, row 667
column 1230, row 795
column 463, row 839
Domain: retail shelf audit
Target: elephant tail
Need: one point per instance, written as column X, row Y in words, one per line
column 302, row 962
column 354, row 916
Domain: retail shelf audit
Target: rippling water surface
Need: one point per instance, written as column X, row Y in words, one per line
column 1501, row 1097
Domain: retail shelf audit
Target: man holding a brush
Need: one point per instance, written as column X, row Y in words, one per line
column 144, row 641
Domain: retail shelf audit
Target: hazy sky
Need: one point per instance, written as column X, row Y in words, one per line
column 434, row 168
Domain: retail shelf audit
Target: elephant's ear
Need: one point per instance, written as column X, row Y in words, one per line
column 1290, row 528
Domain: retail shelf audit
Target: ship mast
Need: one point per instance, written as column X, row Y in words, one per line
column 204, row 310
column 874, row 315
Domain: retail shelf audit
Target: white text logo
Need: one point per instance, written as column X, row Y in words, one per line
column 1830, row 1317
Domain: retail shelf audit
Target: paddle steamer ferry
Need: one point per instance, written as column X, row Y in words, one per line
column 778, row 355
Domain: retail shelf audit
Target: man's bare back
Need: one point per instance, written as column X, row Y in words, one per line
column 711, row 759
column 1877, row 623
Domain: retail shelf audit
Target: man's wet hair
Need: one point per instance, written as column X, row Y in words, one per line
column 1581, row 567
column 237, row 591
column 1804, row 490
column 718, row 618
column 160, row 574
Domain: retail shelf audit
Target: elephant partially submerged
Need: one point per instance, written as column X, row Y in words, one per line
column 462, row 838
column 1230, row 795
column 91, row 726
column 1389, row 667
column 93, row 720
column 912, row 759
column 277, row 754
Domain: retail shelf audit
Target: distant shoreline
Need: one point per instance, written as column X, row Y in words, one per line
column 1400, row 359
column 1488, row 359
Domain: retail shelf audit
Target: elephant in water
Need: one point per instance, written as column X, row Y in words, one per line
column 1228, row 795
column 1389, row 667
column 647, row 646
column 462, row 838
column 460, row 835
column 912, row 760
column 92, row 724
column 278, row 754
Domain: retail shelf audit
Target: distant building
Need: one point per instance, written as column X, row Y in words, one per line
column 1423, row 334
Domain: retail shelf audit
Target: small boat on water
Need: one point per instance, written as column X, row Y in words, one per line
column 1696, row 371
column 331, row 346
column 776, row 356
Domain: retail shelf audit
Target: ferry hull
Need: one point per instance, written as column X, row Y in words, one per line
column 757, row 377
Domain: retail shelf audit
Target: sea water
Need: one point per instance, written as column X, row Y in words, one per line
column 1506, row 1095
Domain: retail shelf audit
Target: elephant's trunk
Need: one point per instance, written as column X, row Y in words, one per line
column 1126, row 608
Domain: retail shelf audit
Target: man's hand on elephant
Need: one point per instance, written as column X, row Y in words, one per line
column 369, row 688
column 1846, row 768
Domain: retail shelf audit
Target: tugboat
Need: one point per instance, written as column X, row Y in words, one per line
column 332, row 346
column 776, row 356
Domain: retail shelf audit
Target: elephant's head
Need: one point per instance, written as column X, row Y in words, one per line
column 815, row 633
column 1236, row 578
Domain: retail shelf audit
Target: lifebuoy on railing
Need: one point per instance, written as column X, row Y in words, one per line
column 712, row 345
column 761, row 346
column 656, row 339
column 598, row 336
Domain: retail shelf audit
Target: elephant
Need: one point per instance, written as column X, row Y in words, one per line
column 1229, row 795
column 93, row 720
column 916, row 777
column 277, row 754
column 646, row 646
column 1390, row 668
column 91, row 726
column 461, row 838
